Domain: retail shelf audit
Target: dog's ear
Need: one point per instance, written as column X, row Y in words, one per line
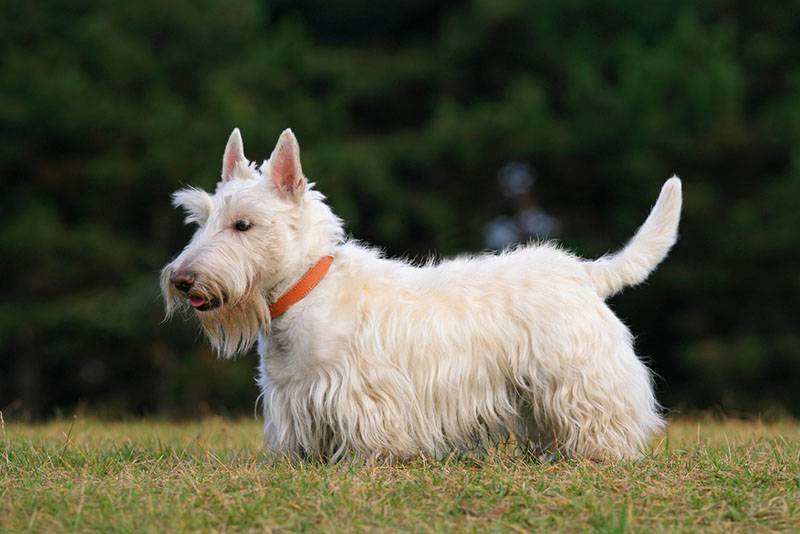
column 195, row 202
column 234, row 155
column 284, row 166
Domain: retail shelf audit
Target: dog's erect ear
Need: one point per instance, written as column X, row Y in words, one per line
column 234, row 154
column 284, row 165
column 196, row 202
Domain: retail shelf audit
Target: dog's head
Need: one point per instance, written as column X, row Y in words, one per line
column 260, row 229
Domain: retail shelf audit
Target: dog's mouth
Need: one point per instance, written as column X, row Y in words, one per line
column 200, row 303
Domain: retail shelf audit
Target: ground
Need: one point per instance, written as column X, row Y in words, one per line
column 85, row 474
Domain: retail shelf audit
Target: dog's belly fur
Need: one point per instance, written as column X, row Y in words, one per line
column 387, row 360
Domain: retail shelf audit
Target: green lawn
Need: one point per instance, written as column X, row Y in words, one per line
column 213, row 475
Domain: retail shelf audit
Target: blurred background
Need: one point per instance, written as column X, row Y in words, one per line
column 433, row 128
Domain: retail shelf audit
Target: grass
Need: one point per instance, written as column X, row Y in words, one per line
column 213, row 475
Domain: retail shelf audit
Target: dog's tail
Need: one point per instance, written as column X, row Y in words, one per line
column 634, row 263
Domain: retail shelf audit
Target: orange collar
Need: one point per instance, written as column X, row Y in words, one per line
column 302, row 288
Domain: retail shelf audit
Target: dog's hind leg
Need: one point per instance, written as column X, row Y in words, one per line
column 594, row 398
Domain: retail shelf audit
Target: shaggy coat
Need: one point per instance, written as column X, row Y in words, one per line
column 384, row 359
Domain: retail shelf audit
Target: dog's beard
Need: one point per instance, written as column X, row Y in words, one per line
column 232, row 327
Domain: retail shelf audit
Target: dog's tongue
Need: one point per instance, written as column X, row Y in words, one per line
column 196, row 302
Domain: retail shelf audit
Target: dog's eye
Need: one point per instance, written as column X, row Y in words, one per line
column 242, row 225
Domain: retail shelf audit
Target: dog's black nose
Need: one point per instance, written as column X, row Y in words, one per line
column 182, row 280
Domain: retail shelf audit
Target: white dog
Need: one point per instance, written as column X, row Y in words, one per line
column 367, row 357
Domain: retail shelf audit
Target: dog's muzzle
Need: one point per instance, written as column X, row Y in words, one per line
column 184, row 282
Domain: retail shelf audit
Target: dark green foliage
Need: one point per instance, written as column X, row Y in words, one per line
column 405, row 113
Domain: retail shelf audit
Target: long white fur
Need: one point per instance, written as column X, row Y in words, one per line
column 384, row 359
